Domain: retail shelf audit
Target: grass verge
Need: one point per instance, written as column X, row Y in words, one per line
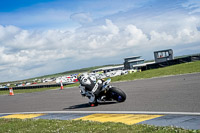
column 6, row 92
column 184, row 68
column 71, row 126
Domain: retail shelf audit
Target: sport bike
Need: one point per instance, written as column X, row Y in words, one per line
column 109, row 93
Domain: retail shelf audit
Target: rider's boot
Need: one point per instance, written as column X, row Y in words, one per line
column 93, row 101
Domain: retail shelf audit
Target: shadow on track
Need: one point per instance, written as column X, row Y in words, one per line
column 86, row 105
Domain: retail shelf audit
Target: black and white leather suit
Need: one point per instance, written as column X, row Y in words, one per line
column 90, row 87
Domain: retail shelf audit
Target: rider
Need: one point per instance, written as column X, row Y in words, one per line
column 90, row 87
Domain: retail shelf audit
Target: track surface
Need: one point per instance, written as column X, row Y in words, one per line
column 166, row 94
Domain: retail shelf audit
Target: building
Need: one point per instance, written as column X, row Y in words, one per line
column 163, row 55
column 108, row 69
column 129, row 62
column 133, row 62
column 142, row 66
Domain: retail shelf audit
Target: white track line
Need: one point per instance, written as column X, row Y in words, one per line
column 108, row 112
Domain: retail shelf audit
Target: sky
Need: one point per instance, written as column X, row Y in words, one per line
column 41, row 37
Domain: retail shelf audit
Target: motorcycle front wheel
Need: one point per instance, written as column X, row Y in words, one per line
column 117, row 94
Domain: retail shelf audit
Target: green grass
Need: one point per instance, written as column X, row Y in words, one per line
column 184, row 68
column 71, row 126
column 6, row 92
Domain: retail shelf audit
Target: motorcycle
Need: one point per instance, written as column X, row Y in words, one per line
column 109, row 93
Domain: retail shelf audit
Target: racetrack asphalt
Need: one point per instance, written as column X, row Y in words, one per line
column 163, row 94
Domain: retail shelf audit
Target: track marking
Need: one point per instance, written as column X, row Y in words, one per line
column 183, row 121
column 107, row 112
column 123, row 118
column 22, row 116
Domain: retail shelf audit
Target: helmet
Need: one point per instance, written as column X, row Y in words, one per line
column 84, row 79
column 81, row 76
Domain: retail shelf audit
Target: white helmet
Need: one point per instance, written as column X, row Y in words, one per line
column 83, row 79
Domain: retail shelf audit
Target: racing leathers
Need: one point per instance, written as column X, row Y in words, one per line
column 90, row 87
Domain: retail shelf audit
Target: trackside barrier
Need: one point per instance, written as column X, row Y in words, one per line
column 33, row 87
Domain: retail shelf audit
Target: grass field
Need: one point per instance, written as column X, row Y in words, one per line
column 70, row 126
column 6, row 92
column 184, row 68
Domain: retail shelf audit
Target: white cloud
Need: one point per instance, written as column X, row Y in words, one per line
column 82, row 17
column 110, row 27
column 27, row 53
column 8, row 31
column 193, row 5
column 135, row 36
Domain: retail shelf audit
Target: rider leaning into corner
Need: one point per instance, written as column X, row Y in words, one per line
column 90, row 87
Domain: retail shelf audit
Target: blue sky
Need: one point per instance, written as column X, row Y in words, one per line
column 42, row 37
